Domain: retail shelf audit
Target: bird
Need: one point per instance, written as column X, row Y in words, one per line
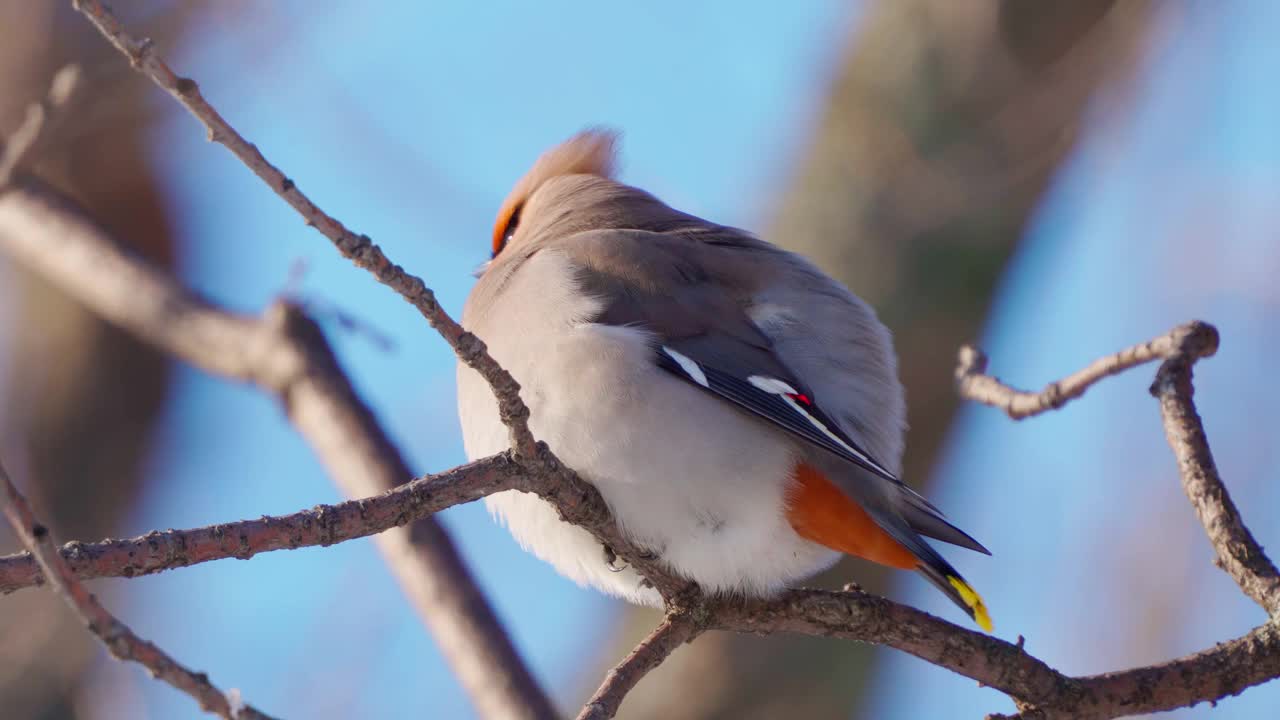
column 738, row 409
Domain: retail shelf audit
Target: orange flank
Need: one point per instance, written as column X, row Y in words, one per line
column 820, row 512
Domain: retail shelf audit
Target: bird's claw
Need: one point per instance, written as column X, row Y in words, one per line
column 611, row 560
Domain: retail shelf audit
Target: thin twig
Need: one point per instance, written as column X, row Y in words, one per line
column 1238, row 553
column 360, row 249
column 973, row 384
column 22, row 142
column 676, row 629
column 121, row 641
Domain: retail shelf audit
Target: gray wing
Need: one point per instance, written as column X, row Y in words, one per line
column 692, row 304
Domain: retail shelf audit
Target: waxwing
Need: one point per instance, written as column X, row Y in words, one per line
column 738, row 409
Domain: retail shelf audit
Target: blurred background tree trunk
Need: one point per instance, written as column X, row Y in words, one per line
column 944, row 126
column 80, row 398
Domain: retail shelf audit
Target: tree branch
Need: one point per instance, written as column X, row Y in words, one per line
column 676, row 629
column 1238, row 553
column 360, row 249
column 1229, row 667
column 1226, row 669
column 322, row 525
column 849, row 615
column 1196, row 338
column 22, row 142
column 285, row 354
column 121, row 641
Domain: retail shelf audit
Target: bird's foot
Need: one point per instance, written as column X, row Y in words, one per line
column 611, row 560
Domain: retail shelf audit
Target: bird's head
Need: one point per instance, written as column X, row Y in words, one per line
column 592, row 153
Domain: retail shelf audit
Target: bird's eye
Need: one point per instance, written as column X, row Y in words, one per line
column 512, row 224
column 502, row 234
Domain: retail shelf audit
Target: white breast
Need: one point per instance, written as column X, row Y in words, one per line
column 687, row 475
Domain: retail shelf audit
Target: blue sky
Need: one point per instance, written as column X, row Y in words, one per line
column 410, row 124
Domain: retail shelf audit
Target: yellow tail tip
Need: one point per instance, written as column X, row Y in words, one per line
column 974, row 601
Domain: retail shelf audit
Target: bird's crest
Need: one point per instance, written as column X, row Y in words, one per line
column 590, row 152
